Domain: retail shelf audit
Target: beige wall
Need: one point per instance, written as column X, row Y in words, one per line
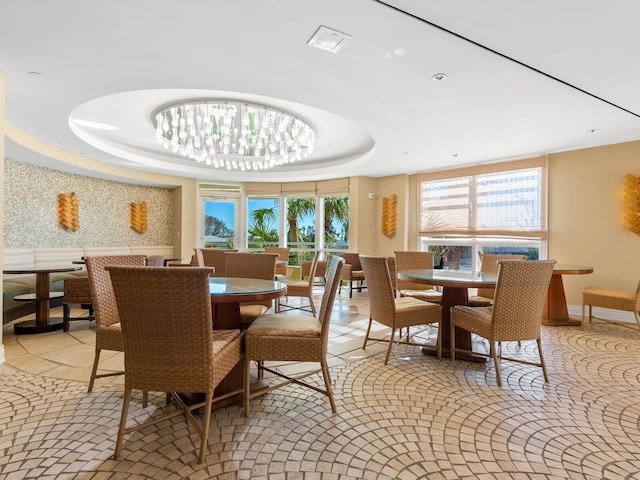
column 362, row 216
column 585, row 217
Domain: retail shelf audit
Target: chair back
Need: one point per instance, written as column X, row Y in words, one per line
column 407, row 260
column 352, row 259
column 519, row 299
column 328, row 297
column 166, row 326
column 213, row 257
column 381, row 295
column 283, row 255
column 104, row 301
column 251, row 265
column 489, row 264
column 155, row 261
column 314, row 267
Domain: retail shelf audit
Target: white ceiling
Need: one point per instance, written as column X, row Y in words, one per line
column 523, row 78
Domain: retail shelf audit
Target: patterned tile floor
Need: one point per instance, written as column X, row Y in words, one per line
column 414, row 418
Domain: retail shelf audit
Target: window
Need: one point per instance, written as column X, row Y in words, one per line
column 220, row 218
column 263, row 220
column 493, row 209
column 335, row 223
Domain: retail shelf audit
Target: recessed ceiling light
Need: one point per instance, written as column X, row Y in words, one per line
column 96, row 125
column 328, row 39
column 592, row 130
column 438, row 77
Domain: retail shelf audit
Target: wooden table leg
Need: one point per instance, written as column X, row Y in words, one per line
column 450, row 297
column 43, row 322
column 555, row 311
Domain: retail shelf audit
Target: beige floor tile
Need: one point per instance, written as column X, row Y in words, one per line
column 416, row 417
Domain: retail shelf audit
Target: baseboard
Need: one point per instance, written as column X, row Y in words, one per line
column 603, row 313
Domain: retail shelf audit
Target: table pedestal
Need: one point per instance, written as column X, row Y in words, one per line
column 555, row 311
column 450, row 297
column 43, row 322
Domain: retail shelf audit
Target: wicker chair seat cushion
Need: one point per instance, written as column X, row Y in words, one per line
column 285, row 325
column 430, row 295
column 248, row 313
column 411, row 311
column 109, row 338
column 222, row 339
column 356, row 274
column 474, row 319
column 297, row 288
column 609, row 298
column 478, row 301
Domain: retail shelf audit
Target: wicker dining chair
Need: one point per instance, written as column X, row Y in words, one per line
column 283, row 256
column 516, row 312
column 396, row 313
column 213, row 257
column 169, row 345
column 301, row 288
column 352, row 273
column 76, row 291
column 407, row 260
column 489, row 264
column 108, row 329
column 627, row 301
column 292, row 338
column 251, row 265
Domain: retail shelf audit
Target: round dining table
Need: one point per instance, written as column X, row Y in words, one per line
column 227, row 293
column 43, row 321
column 455, row 287
column 555, row 311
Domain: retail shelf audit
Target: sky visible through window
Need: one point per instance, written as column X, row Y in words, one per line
column 224, row 211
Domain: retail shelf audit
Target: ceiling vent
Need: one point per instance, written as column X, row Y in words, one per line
column 328, row 39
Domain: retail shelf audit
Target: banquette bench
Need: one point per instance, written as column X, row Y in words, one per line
column 23, row 258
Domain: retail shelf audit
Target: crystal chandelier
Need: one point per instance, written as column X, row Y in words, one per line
column 233, row 135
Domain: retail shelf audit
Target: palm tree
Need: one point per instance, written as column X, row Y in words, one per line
column 335, row 208
column 298, row 208
column 263, row 228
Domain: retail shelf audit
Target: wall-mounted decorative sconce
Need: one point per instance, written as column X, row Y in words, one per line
column 68, row 213
column 139, row 217
column 389, row 213
column 631, row 206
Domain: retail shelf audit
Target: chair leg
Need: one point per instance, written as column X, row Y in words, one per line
column 66, row 313
column 492, row 348
column 452, row 344
column 247, row 385
column 635, row 314
column 583, row 307
column 366, row 337
column 312, row 305
column 439, row 342
column 542, row 364
column 123, row 422
column 94, row 370
column 206, row 421
column 393, row 334
column 145, row 399
column 327, row 384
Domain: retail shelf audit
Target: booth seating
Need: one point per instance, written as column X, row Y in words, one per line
column 22, row 258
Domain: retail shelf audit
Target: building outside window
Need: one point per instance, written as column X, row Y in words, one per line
column 496, row 208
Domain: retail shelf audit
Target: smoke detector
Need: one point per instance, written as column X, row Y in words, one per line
column 328, row 39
